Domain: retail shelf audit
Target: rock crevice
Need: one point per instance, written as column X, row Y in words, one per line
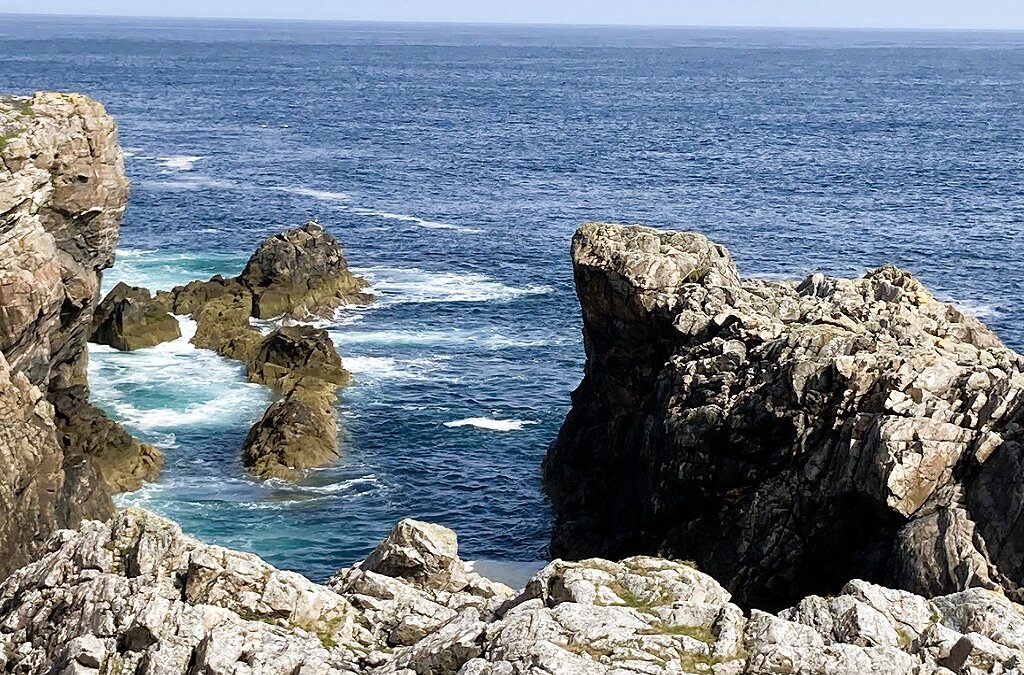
column 787, row 437
column 62, row 195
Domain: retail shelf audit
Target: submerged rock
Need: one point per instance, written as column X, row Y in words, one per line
column 136, row 595
column 129, row 319
column 62, row 195
column 301, row 272
column 786, row 437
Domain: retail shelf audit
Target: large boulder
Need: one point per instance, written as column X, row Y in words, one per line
column 222, row 324
column 293, row 352
column 62, row 195
column 298, row 431
column 193, row 296
column 786, row 437
column 129, row 319
column 301, row 272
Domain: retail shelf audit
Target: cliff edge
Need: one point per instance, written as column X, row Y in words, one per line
column 786, row 437
column 62, row 195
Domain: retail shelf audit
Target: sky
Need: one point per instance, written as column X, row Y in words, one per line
column 987, row 14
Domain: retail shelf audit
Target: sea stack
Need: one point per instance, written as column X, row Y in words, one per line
column 62, row 195
column 786, row 437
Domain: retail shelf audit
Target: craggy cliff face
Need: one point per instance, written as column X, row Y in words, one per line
column 62, row 194
column 786, row 438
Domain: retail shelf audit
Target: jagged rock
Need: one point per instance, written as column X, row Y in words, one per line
column 136, row 595
column 62, row 194
column 301, row 272
column 122, row 461
column 298, row 431
column 222, row 324
column 129, row 319
column 195, row 295
column 293, row 352
column 786, row 437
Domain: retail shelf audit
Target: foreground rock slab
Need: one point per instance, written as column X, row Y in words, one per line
column 787, row 437
column 135, row 595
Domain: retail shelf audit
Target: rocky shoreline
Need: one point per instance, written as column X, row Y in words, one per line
column 786, row 437
column 844, row 453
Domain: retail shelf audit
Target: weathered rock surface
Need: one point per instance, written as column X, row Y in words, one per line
column 135, row 595
column 298, row 431
column 62, row 194
column 129, row 319
column 294, row 352
column 301, row 272
column 786, row 437
column 222, row 324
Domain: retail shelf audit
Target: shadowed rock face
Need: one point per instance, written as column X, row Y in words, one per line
column 129, row 319
column 135, row 595
column 62, row 194
column 786, row 437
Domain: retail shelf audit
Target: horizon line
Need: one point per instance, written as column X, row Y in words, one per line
column 525, row 24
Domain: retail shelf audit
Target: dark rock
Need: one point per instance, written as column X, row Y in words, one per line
column 294, row 352
column 787, row 439
column 298, row 431
column 194, row 295
column 129, row 319
column 222, row 324
column 123, row 462
column 301, row 272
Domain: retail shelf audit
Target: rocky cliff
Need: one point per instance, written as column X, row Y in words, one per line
column 787, row 437
column 135, row 595
column 62, row 194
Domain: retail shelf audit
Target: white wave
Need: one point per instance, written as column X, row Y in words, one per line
column 190, row 386
column 339, row 487
column 412, row 285
column 322, row 195
column 489, row 424
column 179, row 162
column 133, row 252
column 197, row 182
column 373, row 368
column 406, row 218
column 979, row 310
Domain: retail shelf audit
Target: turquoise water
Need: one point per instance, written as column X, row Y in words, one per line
column 454, row 163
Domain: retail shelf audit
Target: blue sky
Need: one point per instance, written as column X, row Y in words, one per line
column 995, row 14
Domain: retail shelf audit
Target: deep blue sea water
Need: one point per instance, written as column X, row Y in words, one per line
column 454, row 163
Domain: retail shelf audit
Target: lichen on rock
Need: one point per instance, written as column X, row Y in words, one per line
column 787, row 437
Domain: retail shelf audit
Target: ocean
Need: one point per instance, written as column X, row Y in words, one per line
column 454, row 163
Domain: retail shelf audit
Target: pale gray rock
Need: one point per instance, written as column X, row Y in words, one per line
column 136, row 595
column 787, row 438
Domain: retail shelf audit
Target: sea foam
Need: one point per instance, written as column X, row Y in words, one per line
column 179, row 162
column 489, row 424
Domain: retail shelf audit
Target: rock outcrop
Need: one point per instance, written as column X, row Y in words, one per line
column 129, row 319
column 300, row 430
column 788, row 438
column 62, row 195
column 135, row 595
column 301, row 272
